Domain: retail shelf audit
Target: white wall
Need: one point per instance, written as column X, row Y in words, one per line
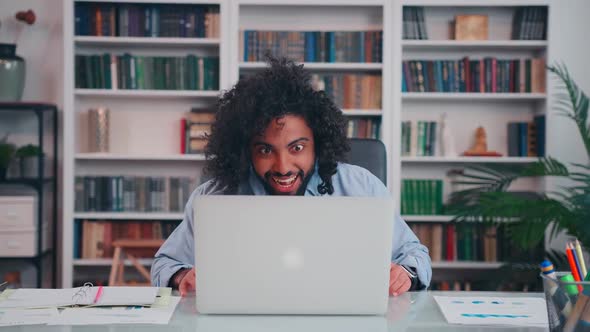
column 39, row 44
column 569, row 27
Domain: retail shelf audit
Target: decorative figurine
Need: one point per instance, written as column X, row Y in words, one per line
column 480, row 148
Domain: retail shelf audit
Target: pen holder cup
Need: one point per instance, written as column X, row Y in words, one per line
column 568, row 304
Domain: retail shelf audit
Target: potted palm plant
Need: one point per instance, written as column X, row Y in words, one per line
column 6, row 155
column 488, row 199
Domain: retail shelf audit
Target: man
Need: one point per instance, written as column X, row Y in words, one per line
column 275, row 135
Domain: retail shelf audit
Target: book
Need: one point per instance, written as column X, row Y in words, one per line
column 471, row 27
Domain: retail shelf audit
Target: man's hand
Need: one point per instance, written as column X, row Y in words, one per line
column 399, row 280
column 188, row 283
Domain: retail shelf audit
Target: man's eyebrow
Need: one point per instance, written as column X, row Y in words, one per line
column 261, row 143
column 298, row 140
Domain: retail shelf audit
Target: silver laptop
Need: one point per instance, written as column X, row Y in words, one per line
column 292, row 255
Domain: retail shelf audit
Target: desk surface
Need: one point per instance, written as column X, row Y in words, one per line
column 414, row 311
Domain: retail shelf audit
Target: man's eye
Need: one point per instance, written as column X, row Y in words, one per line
column 264, row 150
column 298, row 147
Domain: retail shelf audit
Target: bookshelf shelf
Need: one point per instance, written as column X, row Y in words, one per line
column 460, row 160
column 466, row 265
column 133, row 157
column 146, row 93
column 107, row 262
column 354, row 112
column 203, row 2
column 129, row 215
column 144, row 41
column 468, row 45
column 323, row 66
column 427, row 218
column 470, row 96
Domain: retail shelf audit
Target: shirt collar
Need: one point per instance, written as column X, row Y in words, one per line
column 254, row 185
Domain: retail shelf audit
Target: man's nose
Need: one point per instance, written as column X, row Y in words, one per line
column 282, row 164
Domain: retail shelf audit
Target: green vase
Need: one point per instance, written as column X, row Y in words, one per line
column 12, row 73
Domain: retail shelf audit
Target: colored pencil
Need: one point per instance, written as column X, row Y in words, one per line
column 572, row 263
column 581, row 258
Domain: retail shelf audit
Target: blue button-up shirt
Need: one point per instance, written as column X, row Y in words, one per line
column 178, row 250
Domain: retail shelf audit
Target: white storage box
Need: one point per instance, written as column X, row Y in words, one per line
column 18, row 212
column 22, row 242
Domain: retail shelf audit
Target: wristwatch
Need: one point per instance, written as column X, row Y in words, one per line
column 413, row 276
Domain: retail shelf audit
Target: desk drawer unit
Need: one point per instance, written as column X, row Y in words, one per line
column 22, row 242
column 17, row 212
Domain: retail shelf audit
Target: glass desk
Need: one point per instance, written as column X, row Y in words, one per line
column 414, row 311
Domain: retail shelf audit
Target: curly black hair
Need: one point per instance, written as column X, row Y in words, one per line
column 243, row 112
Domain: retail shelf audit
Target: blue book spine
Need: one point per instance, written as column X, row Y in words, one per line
column 404, row 86
column 522, row 139
column 246, row 33
column 361, row 47
column 77, row 235
column 332, row 46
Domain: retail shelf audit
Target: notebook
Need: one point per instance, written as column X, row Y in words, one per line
column 80, row 296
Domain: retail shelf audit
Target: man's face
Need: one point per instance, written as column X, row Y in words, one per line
column 283, row 156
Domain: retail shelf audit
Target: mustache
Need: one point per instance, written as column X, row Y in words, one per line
column 268, row 174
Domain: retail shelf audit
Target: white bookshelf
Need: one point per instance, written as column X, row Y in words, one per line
column 104, row 262
column 144, row 122
column 326, row 15
column 464, row 111
column 465, row 265
column 145, row 41
column 323, row 66
column 128, row 215
column 466, row 160
column 471, row 96
column 140, row 157
column 145, row 93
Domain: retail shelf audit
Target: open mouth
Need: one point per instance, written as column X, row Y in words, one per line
column 284, row 184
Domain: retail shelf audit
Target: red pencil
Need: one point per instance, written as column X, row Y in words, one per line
column 572, row 262
column 98, row 295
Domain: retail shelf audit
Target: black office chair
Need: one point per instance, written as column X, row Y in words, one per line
column 370, row 154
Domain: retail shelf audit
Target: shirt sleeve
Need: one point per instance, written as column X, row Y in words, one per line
column 178, row 250
column 407, row 249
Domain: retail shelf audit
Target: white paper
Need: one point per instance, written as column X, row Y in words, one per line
column 116, row 315
column 44, row 298
column 11, row 317
column 483, row 310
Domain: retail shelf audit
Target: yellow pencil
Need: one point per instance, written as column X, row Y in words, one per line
column 581, row 258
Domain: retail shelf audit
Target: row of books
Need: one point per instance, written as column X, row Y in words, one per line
column 194, row 128
column 313, row 46
column 94, row 238
column 452, row 285
column 146, row 20
column 109, row 71
column 484, row 75
column 351, row 91
column 422, row 197
column 530, row 23
column 414, row 26
column 132, row 193
column 459, row 242
column 363, row 128
column 419, row 138
column 473, row 241
column 527, row 139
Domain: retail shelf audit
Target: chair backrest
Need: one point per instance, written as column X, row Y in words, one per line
column 370, row 154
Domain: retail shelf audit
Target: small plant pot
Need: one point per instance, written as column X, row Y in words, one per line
column 29, row 167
